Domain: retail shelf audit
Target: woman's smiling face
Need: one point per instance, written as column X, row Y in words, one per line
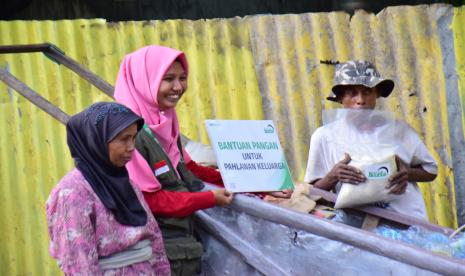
column 172, row 86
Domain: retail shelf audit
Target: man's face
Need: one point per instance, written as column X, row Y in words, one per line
column 358, row 97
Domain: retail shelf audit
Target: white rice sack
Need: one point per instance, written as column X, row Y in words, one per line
column 377, row 171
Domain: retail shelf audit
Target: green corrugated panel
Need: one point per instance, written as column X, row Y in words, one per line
column 251, row 68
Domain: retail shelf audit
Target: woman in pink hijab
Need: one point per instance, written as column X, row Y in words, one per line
column 150, row 82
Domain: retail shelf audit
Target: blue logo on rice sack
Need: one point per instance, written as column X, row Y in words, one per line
column 380, row 172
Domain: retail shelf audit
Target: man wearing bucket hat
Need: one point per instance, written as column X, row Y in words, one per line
column 358, row 85
column 359, row 74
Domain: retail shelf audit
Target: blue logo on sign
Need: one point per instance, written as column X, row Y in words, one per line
column 269, row 129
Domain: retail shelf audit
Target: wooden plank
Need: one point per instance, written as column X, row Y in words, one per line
column 32, row 96
column 82, row 72
column 56, row 54
column 23, row 48
column 370, row 222
column 386, row 214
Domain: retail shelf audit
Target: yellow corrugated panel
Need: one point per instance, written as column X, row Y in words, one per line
column 426, row 110
column 242, row 68
column 414, row 60
column 402, row 41
column 33, row 145
column 459, row 43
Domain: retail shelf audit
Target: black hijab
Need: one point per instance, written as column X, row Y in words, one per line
column 89, row 133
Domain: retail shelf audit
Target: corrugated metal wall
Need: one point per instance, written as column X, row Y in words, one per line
column 242, row 68
column 404, row 44
column 457, row 138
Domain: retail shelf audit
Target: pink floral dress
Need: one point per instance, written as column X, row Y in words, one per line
column 82, row 230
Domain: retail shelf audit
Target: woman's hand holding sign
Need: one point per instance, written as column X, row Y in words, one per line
column 222, row 197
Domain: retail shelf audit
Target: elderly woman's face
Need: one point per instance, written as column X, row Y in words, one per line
column 121, row 147
column 172, row 86
column 358, row 97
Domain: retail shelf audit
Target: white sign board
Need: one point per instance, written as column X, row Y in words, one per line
column 249, row 155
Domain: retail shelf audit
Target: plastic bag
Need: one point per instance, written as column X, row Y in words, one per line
column 200, row 153
column 424, row 238
column 368, row 137
column 377, row 162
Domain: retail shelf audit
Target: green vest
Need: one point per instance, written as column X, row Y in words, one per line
column 178, row 233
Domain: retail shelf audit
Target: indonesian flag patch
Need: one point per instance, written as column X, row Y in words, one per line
column 160, row 168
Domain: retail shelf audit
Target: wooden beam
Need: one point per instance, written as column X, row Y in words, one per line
column 370, row 222
column 23, row 48
column 57, row 55
column 32, row 96
column 386, row 214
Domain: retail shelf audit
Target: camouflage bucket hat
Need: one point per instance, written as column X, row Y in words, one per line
column 359, row 72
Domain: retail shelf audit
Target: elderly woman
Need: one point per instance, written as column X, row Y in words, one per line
column 98, row 222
